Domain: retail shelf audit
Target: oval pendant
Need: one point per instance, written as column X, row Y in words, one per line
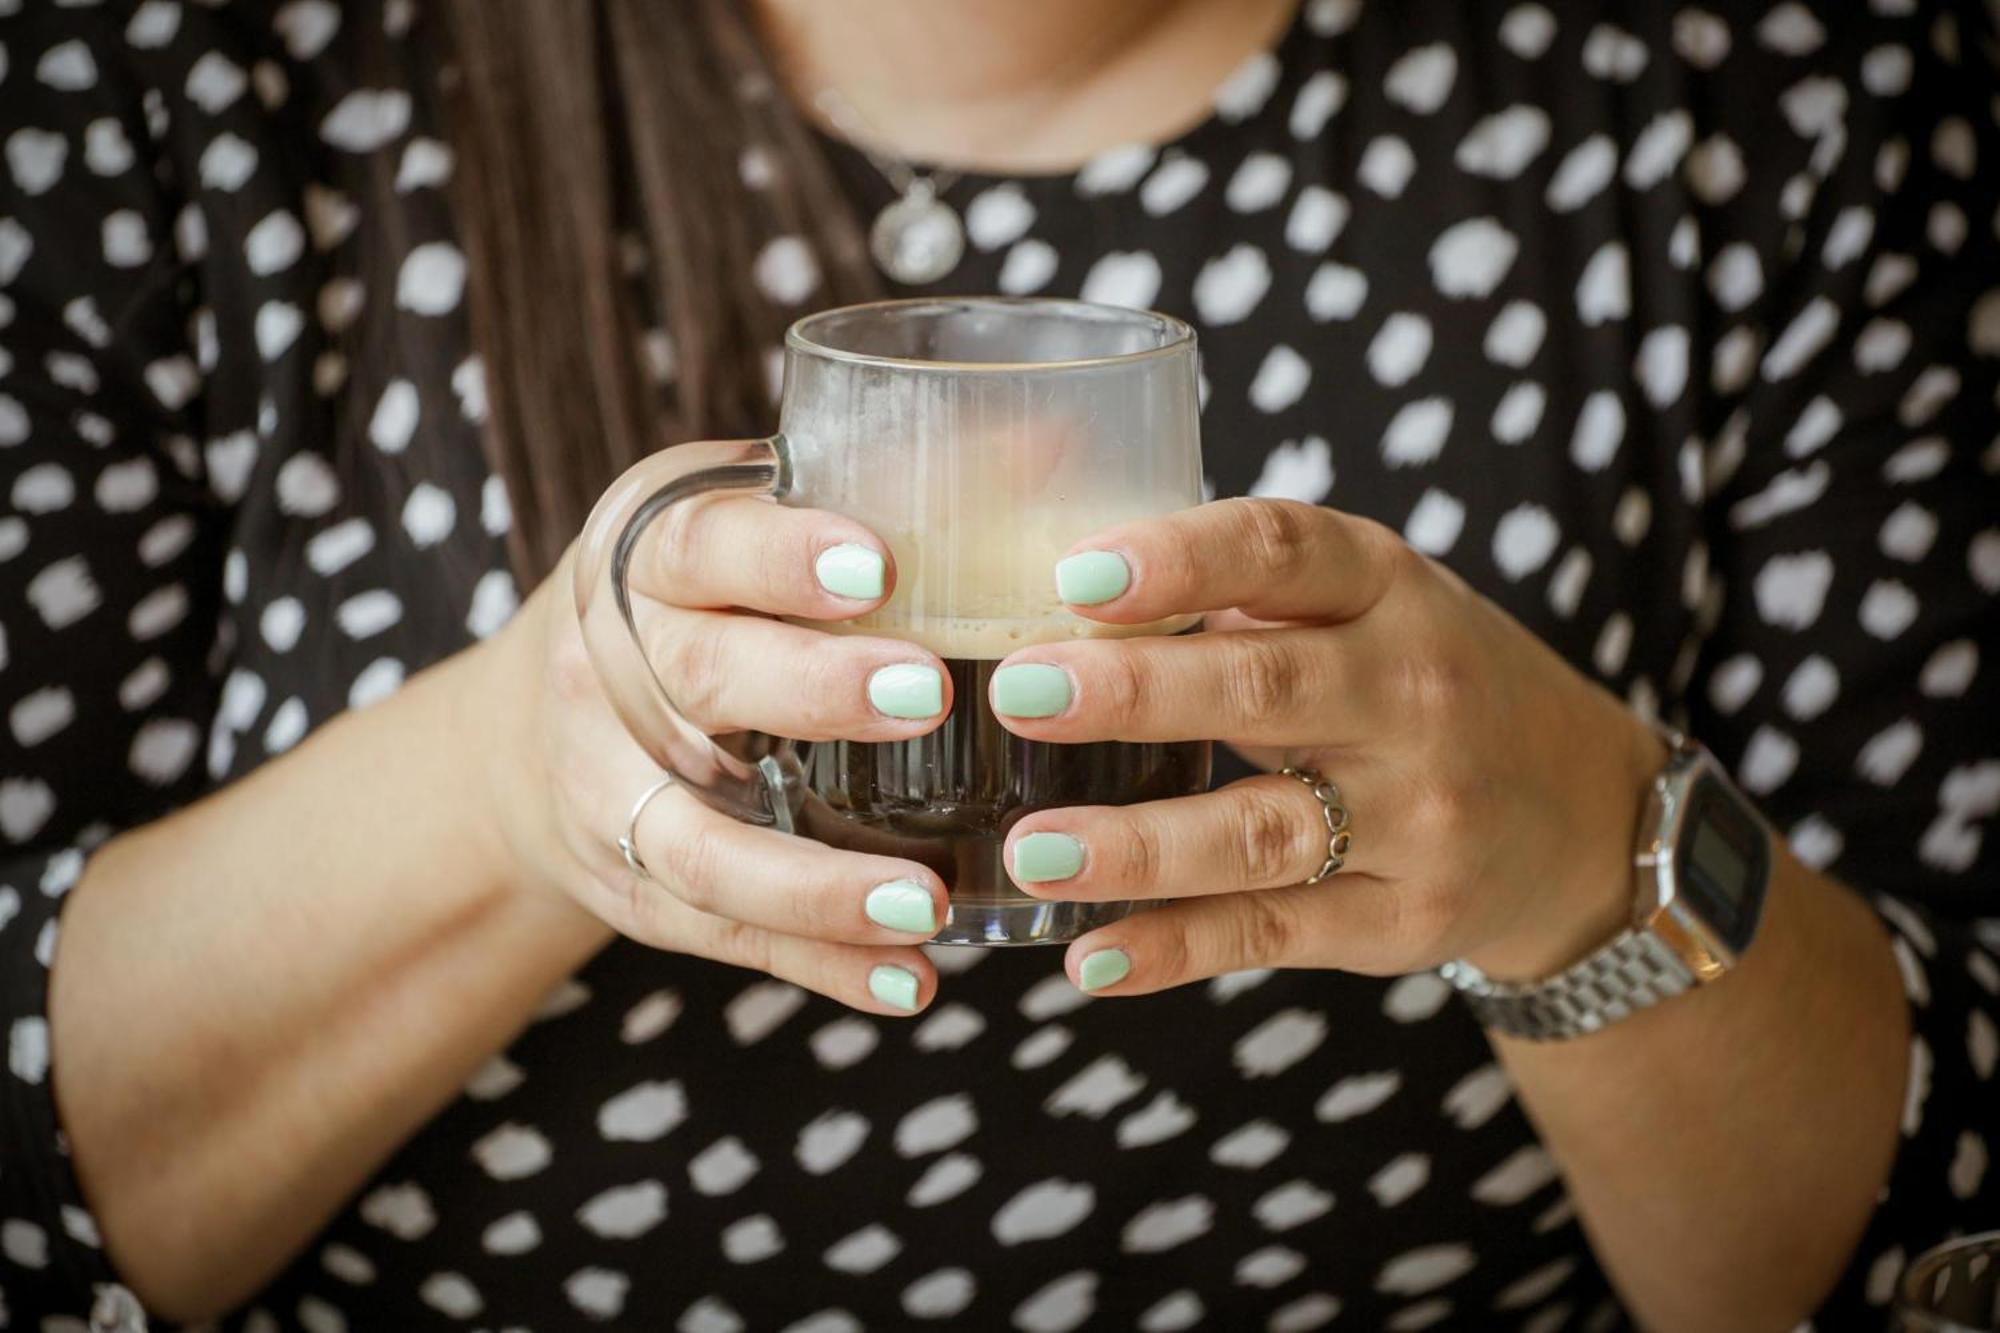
column 917, row 239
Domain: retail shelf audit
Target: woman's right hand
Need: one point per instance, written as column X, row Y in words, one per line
column 566, row 772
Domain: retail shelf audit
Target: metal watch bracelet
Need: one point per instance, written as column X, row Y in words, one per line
column 1635, row 970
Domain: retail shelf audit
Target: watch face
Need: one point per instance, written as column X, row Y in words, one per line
column 1722, row 863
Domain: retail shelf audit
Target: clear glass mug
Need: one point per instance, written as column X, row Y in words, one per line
column 980, row 438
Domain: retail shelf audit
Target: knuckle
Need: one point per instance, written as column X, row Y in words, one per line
column 681, row 534
column 1172, row 956
column 1277, row 535
column 787, row 548
column 1383, row 547
column 745, row 945
column 1271, row 838
column 1382, row 541
column 650, row 912
column 1265, row 681
column 692, row 667
column 1263, row 929
column 1117, row 682
column 826, row 687
column 1172, row 567
column 1140, row 855
column 822, row 910
column 690, row 860
column 1384, row 561
column 1436, row 684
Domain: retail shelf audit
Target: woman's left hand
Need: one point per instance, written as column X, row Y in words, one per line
column 1493, row 790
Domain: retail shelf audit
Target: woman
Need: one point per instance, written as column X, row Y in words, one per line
column 324, row 327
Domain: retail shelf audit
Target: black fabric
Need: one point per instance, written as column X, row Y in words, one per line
column 1678, row 341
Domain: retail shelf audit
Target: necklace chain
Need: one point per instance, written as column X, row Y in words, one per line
column 917, row 238
column 903, row 178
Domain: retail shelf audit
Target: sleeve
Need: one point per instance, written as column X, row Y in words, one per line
column 1853, row 512
column 110, row 569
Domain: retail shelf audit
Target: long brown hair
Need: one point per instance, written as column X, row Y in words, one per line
column 580, row 125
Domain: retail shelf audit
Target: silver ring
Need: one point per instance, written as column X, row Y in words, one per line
column 628, row 843
column 1335, row 812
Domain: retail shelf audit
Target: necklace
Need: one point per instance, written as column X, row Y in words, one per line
column 918, row 237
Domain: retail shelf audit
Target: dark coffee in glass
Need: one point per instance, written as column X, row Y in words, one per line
column 949, row 797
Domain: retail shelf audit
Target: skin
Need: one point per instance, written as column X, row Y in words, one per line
column 252, row 1006
column 1047, row 84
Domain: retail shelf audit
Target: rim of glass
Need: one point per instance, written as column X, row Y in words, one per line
column 1912, row 1294
column 1179, row 335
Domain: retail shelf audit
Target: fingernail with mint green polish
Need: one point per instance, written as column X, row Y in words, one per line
column 1103, row 967
column 1040, row 857
column 902, row 904
column 1090, row 577
column 907, row 690
column 1030, row 689
column 850, row 570
column 893, row 986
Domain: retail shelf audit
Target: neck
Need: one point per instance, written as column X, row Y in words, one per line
column 1013, row 84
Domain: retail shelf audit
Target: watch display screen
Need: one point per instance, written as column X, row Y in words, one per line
column 1723, row 863
column 1715, row 858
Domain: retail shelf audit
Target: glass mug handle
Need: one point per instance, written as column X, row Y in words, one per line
column 765, row 791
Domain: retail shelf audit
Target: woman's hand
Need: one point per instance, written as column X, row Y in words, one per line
column 841, row 923
column 1493, row 790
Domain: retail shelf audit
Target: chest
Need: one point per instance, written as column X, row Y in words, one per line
column 1413, row 315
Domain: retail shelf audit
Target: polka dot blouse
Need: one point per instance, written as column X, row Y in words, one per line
column 1673, row 328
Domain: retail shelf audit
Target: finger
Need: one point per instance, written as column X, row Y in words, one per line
column 726, row 671
column 1293, row 687
column 1353, row 923
column 1274, row 559
column 895, row 982
column 1260, row 833
column 724, row 551
column 702, row 860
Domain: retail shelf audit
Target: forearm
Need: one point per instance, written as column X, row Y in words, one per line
column 255, row 1000
column 1725, row 1149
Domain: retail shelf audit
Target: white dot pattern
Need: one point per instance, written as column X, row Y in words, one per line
column 1701, row 390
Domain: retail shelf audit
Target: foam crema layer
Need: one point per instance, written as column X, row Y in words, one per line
column 978, row 582
column 989, row 638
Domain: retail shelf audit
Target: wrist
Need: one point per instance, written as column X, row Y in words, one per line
column 442, row 732
column 486, row 734
column 1585, row 897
